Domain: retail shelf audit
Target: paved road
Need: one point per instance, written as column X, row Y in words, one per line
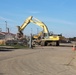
column 38, row 61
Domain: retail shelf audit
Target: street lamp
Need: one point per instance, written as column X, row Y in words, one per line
column 6, row 25
column 0, row 29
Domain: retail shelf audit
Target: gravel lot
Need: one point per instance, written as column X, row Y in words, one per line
column 49, row 60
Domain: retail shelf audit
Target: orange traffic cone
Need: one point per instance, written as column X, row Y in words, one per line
column 74, row 47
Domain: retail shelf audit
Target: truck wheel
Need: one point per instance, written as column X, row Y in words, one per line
column 57, row 43
column 45, row 43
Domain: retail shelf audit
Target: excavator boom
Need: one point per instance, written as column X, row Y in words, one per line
column 41, row 24
column 31, row 19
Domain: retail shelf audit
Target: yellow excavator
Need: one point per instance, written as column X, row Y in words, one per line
column 46, row 38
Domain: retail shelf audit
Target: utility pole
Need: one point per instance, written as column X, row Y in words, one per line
column 6, row 25
column 37, row 30
column 0, row 29
column 30, row 41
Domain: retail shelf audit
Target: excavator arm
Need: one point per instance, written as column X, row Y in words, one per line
column 31, row 19
column 26, row 22
column 22, row 27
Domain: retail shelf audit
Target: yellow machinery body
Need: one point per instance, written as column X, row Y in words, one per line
column 44, row 36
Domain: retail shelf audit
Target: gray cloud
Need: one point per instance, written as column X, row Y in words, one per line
column 6, row 19
column 59, row 21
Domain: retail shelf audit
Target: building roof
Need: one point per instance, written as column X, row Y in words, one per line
column 5, row 33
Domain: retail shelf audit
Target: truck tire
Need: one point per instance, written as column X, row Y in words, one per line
column 57, row 43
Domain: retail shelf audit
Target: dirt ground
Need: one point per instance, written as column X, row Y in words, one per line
column 49, row 60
